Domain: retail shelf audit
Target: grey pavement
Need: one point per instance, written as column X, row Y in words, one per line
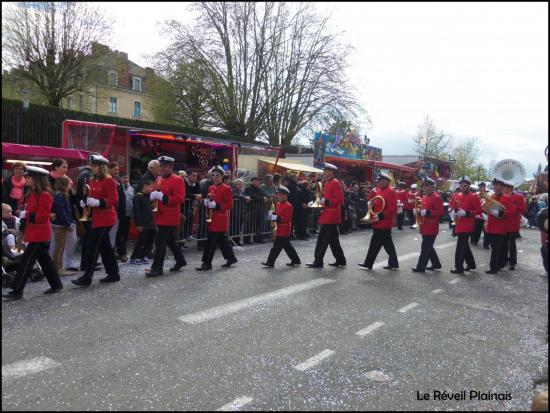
column 124, row 346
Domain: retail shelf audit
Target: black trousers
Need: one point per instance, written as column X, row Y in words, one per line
column 121, row 240
column 498, row 242
column 100, row 243
column 463, row 252
column 144, row 243
column 328, row 235
column 381, row 238
column 166, row 237
column 213, row 240
column 85, row 243
column 36, row 251
column 280, row 243
column 478, row 229
column 410, row 216
column 544, row 253
column 400, row 219
column 486, row 239
column 510, row 254
column 300, row 222
column 427, row 253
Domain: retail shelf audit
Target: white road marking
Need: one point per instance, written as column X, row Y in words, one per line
column 310, row 362
column 454, row 281
column 437, row 291
column 235, row 404
column 219, row 311
column 520, row 251
column 446, row 245
column 407, row 307
column 369, row 328
column 31, row 366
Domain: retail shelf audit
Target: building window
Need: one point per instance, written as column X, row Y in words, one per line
column 81, row 103
column 112, row 105
column 137, row 109
column 112, row 78
column 137, row 84
column 69, row 103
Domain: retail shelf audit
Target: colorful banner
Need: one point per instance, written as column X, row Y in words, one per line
column 342, row 145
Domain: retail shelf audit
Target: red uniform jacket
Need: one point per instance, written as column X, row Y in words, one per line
column 334, row 198
column 411, row 195
column 519, row 208
column 469, row 203
column 403, row 196
column 223, row 197
column 434, row 204
column 500, row 225
column 390, row 209
column 168, row 213
column 104, row 190
column 284, row 211
column 38, row 207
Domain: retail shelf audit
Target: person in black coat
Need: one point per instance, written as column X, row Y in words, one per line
column 301, row 214
column 143, row 218
column 83, row 179
column 255, row 218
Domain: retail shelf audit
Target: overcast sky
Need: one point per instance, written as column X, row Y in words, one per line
column 478, row 69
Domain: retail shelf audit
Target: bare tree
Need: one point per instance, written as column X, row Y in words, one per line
column 49, row 43
column 429, row 141
column 467, row 162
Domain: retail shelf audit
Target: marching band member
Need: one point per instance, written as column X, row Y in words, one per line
column 283, row 216
column 168, row 196
column 432, row 210
column 512, row 232
column 409, row 205
column 479, row 220
column 466, row 205
column 102, row 200
column 219, row 201
column 382, row 225
column 403, row 200
column 332, row 200
column 37, row 233
column 497, row 226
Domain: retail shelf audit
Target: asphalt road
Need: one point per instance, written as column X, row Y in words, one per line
column 253, row 338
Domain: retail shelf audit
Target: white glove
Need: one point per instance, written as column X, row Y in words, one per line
column 484, row 216
column 415, row 211
column 22, row 214
column 212, row 204
column 449, row 210
column 156, row 195
column 461, row 213
column 369, row 204
column 82, row 204
column 274, row 217
column 205, row 202
column 322, row 201
column 375, row 219
column 422, row 212
column 495, row 212
column 93, row 202
column 453, row 216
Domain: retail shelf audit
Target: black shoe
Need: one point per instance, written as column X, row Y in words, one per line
column 177, row 267
column 203, row 267
column 97, row 267
column 238, row 243
column 314, row 265
column 491, row 272
column 154, row 273
column 229, row 262
column 433, row 268
column 417, row 270
column 512, row 267
column 470, row 269
column 486, row 247
column 335, row 264
column 454, row 271
column 110, row 279
column 365, row 266
column 265, row 264
column 12, row 295
column 389, row 267
column 73, row 269
column 82, row 281
column 292, row 264
column 52, row 290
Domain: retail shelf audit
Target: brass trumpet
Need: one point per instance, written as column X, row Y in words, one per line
column 369, row 216
column 318, row 196
column 489, row 201
column 86, row 213
column 272, row 209
column 419, row 219
column 209, row 210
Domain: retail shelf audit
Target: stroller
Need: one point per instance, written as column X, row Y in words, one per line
column 10, row 261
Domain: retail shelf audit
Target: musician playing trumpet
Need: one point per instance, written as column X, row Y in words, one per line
column 382, row 224
column 465, row 207
column 510, row 255
column 432, row 209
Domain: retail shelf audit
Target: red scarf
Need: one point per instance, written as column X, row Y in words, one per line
column 17, row 190
column 57, row 175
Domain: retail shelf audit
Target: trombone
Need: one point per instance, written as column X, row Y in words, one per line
column 318, row 196
column 369, row 216
column 86, row 213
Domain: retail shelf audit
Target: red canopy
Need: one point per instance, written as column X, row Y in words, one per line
column 35, row 151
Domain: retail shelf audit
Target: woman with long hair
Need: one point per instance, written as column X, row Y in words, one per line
column 13, row 188
column 37, row 232
column 63, row 224
column 102, row 200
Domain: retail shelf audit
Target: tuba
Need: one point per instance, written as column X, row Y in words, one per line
column 368, row 218
column 318, row 196
column 509, row 170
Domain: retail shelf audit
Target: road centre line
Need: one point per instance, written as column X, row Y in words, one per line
column 219, row 311
column 454, row 281
column 312, row 361
column 30, row 366
column 235, row 404
column 437, row 291
column 370, row 328
column 407, row 307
